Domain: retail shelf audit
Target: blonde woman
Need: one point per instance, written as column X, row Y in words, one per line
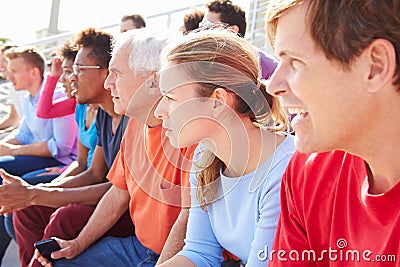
column 212, row 95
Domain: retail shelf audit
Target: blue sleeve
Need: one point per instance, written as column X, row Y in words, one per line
column 269, row 210
column 201, row 246
column 23, row 134
column 99, row 119
column 64, row 136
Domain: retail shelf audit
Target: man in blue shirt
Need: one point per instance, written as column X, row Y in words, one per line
column 37, row 143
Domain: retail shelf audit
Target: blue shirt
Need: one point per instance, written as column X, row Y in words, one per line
column 88, row 137
column 243, row 219
column 59, row 133
column 106, row 139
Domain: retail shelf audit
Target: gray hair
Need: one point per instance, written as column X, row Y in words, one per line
column 145, row 47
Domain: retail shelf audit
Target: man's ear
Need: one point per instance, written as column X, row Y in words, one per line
column 382, row 64
column 235, row 28
column 154, row 84
column 35, row 71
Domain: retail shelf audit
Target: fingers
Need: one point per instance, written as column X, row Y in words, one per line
column 51, row 170
column 7, row 210
column 42, row 260
column 3, row 173
column 7, row 178
column 64, row 252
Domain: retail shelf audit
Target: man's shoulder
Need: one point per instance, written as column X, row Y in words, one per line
column 327, row 159
column 102, row 116
column 313, row 169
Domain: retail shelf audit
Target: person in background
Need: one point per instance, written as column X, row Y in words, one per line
column 213, row 95
column 225, row 11
column 60, row 70
column 130, row 22
column 37, row 143
column 192, row 20
column 12, row 119
column 340, row 75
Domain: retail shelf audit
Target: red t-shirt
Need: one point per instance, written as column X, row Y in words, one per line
column 326, row 211
column 153, row 172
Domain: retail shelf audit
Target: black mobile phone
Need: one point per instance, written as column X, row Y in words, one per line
column 46, row 247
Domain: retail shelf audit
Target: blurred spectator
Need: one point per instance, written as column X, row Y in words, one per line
column 12, row 119
column 37, row 143
column 130, row 22
column 224, row 11
column 192, row 20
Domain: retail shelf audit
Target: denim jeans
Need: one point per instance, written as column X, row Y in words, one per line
column 34, row 177
column 113, row 251
column 20, row 165
column 9, row 226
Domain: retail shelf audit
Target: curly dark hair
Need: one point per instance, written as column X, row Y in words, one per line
column 192, row 19
column 68, row 50
column 100, row 41
column 229, row 13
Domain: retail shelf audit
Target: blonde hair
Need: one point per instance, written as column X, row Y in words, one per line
column 224, row 60
column 30, row 54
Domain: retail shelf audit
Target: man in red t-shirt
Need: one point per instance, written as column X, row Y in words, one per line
column 148, row 174
column 339, row 72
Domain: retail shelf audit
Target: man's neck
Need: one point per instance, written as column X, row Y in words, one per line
column 108, row 106
column 381, row 153
column 35, row 88
column 384, row 177
column 153, row 122
column 377, row 141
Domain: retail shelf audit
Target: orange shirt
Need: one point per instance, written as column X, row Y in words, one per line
column 153, row 172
